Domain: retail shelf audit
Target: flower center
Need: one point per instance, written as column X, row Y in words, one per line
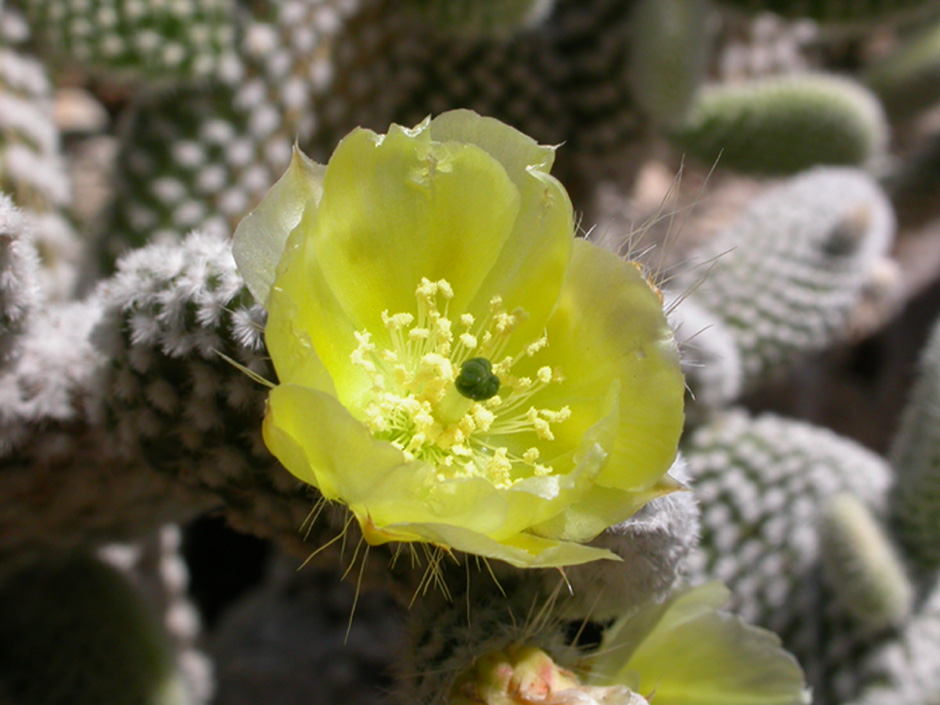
column 450, row 397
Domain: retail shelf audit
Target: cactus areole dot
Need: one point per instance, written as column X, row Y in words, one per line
column 453, row 364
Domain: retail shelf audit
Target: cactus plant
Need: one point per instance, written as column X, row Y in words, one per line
column 75, row 631
column 668, row 54
column 32, row 166
column 861, row 566
column 788, row 271
column 123, row 395
column 914, row 457
column 763, row 483
column 230, row 137
column 782, row 125
column 134, row 39
column 19, row 266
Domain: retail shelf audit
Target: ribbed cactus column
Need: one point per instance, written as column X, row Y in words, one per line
column 182, row 391
column 915, row 498
column 792, row 266
column 203, row 156
column 764, row 484
column 32, row 167
column 782, row 125
column 132, row 39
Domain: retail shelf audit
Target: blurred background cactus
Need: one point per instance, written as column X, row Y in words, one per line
column 798, row 250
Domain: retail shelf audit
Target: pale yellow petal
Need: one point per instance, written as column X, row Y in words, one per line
column 401, row 208
column 687, row 652
column 260, row 237
column 609, row 328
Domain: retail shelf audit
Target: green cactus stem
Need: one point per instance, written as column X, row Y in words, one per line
column 791, row 268
column 782, row 125
column 915, row 456
column 669, row 49
column 75, row 632
column 763, row 484
column 137, row 39
column 860, row 565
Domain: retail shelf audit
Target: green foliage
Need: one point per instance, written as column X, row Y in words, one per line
column 782, row 125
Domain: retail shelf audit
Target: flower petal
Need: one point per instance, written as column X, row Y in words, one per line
column 515, row 150
column 689, row 653
column 530, row 270
column 260, row 237
column 399, row 208
column 609, row 329
column 319, row 442
column 309, row 336
column 522, row 550
column 600, row 508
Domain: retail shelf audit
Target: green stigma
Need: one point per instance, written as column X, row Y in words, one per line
column 476, row 379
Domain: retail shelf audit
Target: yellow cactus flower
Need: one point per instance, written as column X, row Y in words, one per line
column 453, row 364
column 682, row 651
column 526, row 675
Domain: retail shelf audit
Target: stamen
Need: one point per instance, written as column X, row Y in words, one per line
column 435, row 402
